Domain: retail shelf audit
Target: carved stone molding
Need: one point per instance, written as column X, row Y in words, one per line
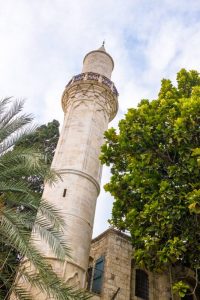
column 82, row 174
column 92, row 87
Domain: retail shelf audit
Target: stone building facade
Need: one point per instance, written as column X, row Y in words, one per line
column 118, row 277
column 112, row 273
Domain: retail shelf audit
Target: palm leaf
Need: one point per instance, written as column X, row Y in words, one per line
column 18, row 208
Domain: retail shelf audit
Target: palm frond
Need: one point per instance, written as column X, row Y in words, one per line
column 21, row 293
column 51, row 213
column 8, row 115
column 4, row 104
column 13, row 125
column 9, row 142
column 19, row 214
column 52, row 236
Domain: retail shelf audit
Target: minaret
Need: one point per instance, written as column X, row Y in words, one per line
column 89, row 102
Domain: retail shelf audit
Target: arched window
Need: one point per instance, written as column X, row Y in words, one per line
column 142, row 284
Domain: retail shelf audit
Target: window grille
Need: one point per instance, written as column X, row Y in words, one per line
column 142, row 284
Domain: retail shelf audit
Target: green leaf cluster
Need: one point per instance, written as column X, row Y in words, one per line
column 155, row 178
column 181, row 288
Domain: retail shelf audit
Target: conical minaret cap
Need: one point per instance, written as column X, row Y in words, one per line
column 98, row 61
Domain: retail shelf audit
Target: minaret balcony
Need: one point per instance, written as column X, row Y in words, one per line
column 96, row 77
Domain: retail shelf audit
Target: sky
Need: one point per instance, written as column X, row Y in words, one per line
column 43, row 43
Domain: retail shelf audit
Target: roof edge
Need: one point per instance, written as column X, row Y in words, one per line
column 111, row 230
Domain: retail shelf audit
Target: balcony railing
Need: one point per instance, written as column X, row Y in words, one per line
column 96, row 77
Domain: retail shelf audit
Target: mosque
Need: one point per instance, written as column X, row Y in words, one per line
column 104, row 265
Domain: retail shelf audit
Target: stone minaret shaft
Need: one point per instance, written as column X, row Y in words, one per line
column 89, row 102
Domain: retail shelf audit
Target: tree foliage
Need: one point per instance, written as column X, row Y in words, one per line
column 155, row 160
column 18, row 207
column 44, row 139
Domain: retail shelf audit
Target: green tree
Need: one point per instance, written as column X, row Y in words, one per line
column 18, row 208
column 155, row 178
column 44, row 139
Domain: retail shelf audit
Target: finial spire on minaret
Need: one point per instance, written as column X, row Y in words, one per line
column 102, row 48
